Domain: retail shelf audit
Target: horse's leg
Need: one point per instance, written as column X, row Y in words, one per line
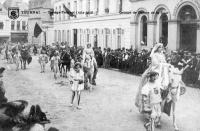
column 174, row 116
column 24, row 64
column 94, row 76
column 66, row 70
column 60, row 69
column 21, row 63
column 90, row 81
column 86, row 81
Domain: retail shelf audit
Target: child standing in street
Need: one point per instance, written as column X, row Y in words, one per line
column 151, row 95
column 77, row 82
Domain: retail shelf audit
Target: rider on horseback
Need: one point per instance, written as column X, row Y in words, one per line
column 89, row 51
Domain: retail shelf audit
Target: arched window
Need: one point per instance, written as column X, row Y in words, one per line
column 143, row 38
column 107, row 2
column 164, row 29
column 97, row 7
column 119, row 5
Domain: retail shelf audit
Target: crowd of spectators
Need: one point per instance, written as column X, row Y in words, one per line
column 136, row 62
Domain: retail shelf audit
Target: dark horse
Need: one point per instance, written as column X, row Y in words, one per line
column 25, row 57
column 65, row 62
column 12, row 117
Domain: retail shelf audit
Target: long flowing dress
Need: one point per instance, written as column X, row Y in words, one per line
column 158, row 64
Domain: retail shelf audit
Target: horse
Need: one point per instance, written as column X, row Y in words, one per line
column 13, row 118
column 25, row 58
column 65, row 62
column 89, row 70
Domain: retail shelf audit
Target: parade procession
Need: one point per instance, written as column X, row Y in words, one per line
column 99, row 65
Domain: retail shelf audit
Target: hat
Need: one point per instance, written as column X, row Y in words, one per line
column 155, row 48
column 180, row 64
column 77, row 64
column 2, row 69
column 80, row 57
column 152, row 73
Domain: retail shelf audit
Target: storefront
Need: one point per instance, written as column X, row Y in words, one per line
column 19, row 37
column 4, row 39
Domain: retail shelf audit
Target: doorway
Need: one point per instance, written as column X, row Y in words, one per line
column 75, row 37
column 188, row 37
column 188, row 28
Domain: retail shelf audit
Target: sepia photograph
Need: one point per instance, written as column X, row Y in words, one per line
column 99, row 65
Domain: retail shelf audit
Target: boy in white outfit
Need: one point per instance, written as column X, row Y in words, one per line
column 151, row 94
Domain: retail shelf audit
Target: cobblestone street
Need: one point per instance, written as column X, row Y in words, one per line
column 110, row 106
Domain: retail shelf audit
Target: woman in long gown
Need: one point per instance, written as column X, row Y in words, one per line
column 158, row 64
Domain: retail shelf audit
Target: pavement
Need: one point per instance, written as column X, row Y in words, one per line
column 110, row 106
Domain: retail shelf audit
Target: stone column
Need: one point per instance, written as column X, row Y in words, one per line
column 151, row 33
column 133, row 37
column 173, row 35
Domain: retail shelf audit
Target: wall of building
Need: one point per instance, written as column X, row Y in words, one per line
column 171, row 7
column 100, row 21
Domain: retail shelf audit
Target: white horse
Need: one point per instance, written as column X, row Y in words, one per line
column 176, row 88
column 88, row 69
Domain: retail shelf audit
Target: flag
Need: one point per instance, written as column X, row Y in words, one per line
column 68, row 11
column 37, row 30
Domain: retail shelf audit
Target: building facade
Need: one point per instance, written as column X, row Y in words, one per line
column 176, row 23
column 98, row 22
column 40, row 14
column 18, row 28
column 140, row 25
column 4, row 25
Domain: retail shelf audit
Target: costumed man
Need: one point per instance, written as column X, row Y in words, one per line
column 89, row 51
